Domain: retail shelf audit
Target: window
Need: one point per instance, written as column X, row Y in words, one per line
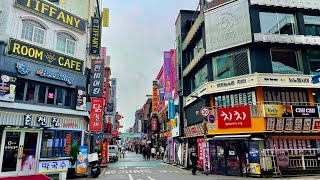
column 312, row 25
column 280, row 95
column 32, row 31
column 46, row 94
column 314, row 60
column 57, row 143
column 286, row 61
column 200, row 78
column 236, row 98
column 66, row 43
column 278, row 23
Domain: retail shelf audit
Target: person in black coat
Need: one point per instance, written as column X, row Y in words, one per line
column 194, row 160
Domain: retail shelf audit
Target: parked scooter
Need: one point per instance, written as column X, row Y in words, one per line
column 95, row 165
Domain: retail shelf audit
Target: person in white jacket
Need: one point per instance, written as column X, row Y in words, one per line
column 153, row 152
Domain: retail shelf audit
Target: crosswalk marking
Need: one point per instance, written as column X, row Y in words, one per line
column 138, row 171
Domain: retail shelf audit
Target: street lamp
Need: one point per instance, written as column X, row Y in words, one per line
column 204, row 120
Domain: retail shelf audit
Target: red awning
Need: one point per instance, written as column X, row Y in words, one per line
column 31, row 177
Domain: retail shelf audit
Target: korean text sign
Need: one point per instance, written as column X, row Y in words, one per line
column 95, row 35
column 154, row 124
column 155, row 97
column 53, row 166
column 97, row 77
column 234, row 117
column 167, row 75
column 104, row 153
column 96, row 114
column 200, row 151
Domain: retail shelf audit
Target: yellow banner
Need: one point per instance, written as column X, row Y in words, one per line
column 105, row 17
column 173, row 123
column 277, row 110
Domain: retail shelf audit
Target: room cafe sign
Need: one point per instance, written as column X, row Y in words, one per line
column 53, row 12
column 29, row 52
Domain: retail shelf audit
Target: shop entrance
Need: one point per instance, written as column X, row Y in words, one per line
column 19, row 152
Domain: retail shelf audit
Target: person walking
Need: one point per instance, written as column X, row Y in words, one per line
column 123, row 152
column 161, row 152
column 194, row 160
column 120, row 152
column 148, row 153
column 153, row 152
column 137, row 149
column 144, row 152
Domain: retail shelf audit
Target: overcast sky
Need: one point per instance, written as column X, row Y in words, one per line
column 138, row 33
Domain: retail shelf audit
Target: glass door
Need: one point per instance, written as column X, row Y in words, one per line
column 28, row 155
column 10, row 152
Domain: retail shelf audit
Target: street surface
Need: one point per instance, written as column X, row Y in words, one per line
column 133, row 167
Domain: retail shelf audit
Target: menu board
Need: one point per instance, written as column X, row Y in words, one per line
column 289, row 124
column 280, row 124
column 307, row 124
column 298, row 124
column 270, row 124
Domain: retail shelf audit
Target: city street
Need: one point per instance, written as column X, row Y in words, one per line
column 133, row 167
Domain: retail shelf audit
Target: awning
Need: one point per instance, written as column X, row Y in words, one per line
column 229, row 137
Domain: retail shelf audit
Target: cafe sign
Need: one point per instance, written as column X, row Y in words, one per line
column 54, row 13
column 39, row 55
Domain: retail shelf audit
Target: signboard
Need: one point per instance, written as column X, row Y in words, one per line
column 270, row 124
column 54, row 13
column 96, row 77
column 167, row 75
column 204, row 112
column 55, row 75
column 82, row 160
column 96, row 114
column 171, row 109
column 316, row 125
column 154, row 125
column 95, row 36
column 289, row 124
column 298, row 124
column 130, row 135
column 67, row 147
column 194, row 130
column 277, row 110
column 53, row 166
column 200, row 141
column 39, row 55
column 104, row 153
column 234, row 117
column 105, row 17
column 305, row 111
column 307, row 124
column 254, row 157
column 279, row 124
column 211, row 118
column 155, row 98
column 7, row 87
column 81, row 99
column 283, row 160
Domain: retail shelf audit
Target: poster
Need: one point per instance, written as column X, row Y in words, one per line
column 7, row 87
column 254, row 157
column 104, row 153
column 82, row 160
column 81, row 99
column 277, row 110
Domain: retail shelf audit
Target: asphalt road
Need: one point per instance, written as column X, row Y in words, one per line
column 133, row 167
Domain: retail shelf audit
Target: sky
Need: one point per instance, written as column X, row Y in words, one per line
column 138, row 33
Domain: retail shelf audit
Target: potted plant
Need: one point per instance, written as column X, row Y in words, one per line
column 75, row 149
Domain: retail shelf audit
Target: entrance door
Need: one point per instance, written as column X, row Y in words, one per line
column 19, row 152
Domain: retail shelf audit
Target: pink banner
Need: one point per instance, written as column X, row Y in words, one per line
column 174, row 73
column 167, row 74
column 206, row 159
column 200, row 151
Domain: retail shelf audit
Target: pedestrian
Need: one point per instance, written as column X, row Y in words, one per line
column 148, row 153
column 161, row 152
column 123, row 152
column 144, row 152
column 153, row 152
column 137, row 150
column 194, row 160
column 120, row 149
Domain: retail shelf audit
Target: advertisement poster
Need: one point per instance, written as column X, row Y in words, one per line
column 96, row 114
column 305, row 111
column 234, row 117
column 167, row 75
column 7, row 87
column 277, row 110
column 104, row 153
column 82, row 160
column 200, row 151
column 81, row 99
column 254, row 157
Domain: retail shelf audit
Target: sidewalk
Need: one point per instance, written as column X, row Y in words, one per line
column 30, row 177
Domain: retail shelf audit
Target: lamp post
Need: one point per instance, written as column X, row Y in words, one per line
column 204, row 121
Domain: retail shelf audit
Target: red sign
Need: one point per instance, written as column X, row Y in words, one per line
column 96, row 114
column 316, row 124
column 234, row 117
column 154, row 124
column 200, row 151
column 104, row 153
column 115, row 133
column 283, row 160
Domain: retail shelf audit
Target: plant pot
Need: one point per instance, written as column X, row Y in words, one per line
column 71, row 174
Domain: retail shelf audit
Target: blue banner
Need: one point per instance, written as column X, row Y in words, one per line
column 171, row 109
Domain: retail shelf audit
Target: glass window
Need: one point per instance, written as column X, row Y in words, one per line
column 201, row 77
column 20, row 90
column 47, row 143
column 42, row 94
column 223, row 67
column 278, row 23
column 68, row 98
column 312, row 25
column 30, row 92
column 32, row 31
column 51, row 94
column 66, row 44
column 285, row 61
column 57, row 144
column 59, row 97
column 314, row 60
column 76, row 137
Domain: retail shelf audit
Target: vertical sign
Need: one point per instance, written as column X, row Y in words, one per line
column 96, row 114
column 96, row 77
column 167, row 75
column 171, row 109
column 139, row 125
column 200, row 151
column 113, row 94
column 104, row 153
column 82, row 160
column 95, row 36
column 105, row 17
column 7, row 87
column 155, row 98
column 154, row 124
column 173, row 73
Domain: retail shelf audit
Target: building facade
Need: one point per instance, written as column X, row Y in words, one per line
column 252, row 63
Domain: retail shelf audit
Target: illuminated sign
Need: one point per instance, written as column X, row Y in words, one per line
column 54, row 13
column 58, row 76
column 43, row 56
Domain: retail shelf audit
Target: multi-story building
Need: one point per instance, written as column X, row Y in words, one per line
column 251, row 63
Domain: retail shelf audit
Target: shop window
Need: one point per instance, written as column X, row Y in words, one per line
column 65, row 43
column 59, row 97
column 286, row 61
column 51, row 95
column 314, row 60
column 20, row 90
column 33, row 31
column 235, row 98
column 41, row 94
column 278, row 23
column 30, row 92
column 57, row 143
column 68, row 98
column 312, row 25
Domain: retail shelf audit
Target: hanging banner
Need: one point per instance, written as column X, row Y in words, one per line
column 105, row 17
column 82, row 160
column 167, row 75
column 96, row 114
column 155, row 98
column 171, row 109
column 200, row 151
column 113, row 94
column 104, row 153
column 7, row 87
column 95, row 36
column 96, row 77
column 154, row 124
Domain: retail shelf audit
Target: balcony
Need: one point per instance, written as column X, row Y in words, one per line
column 194, row 62
column 193, row 31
